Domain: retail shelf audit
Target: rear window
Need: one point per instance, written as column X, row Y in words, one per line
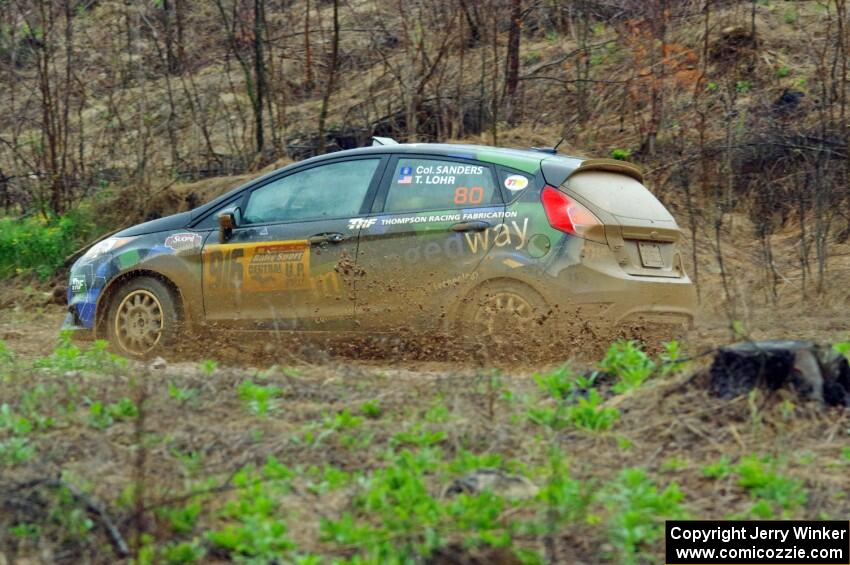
column 435, row 184
column 618, row 194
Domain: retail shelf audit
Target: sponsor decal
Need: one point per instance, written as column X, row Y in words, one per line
column 508, row 234
column 326, row 285
column 361, row 223
column 78, row 284
column 436, row 174
column 443, row 170
column 451, row 217
column 456, row 281
column 257, row 267
column 405, row 175
column 283, row 263
column 473, row 196
column 183, row 241
column 516, row 182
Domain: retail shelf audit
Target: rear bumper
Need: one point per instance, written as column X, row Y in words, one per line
column 615, row 298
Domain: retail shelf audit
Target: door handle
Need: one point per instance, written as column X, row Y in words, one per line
column 471, row 226
column 320, row 238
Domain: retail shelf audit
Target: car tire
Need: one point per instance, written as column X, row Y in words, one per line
column 142, row 318
column 507, row 317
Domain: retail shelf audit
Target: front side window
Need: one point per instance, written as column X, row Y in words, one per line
column 433, row 184
column 328, row 191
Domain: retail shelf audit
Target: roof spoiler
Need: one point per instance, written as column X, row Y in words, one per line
column 610, row 165
column 383, row 141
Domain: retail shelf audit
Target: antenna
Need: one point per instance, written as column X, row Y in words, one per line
column 559, row 143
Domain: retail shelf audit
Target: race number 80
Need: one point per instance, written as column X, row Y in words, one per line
column 464, row 195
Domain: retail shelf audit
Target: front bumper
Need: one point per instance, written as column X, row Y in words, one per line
column 78, row 331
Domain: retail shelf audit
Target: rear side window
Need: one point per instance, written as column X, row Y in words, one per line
column 328, row 191
column 434, row 184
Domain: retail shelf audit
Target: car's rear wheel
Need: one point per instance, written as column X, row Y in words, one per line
column 142, row 317
column 505, row 315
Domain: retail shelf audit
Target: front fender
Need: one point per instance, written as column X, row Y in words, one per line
column 174, row 257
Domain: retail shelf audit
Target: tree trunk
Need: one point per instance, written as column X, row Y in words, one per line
column 259, row 75
column 308, row 53
column 329, row 86
column 512, row 62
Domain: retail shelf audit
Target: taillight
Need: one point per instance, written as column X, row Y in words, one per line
column 567, row 215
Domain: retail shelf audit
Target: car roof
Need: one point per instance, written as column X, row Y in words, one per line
column 468, row 151
column 527, row 160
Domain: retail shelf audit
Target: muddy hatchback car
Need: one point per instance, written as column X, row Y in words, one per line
column 476, row 240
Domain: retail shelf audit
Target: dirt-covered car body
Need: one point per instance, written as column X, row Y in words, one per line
column 398, row 236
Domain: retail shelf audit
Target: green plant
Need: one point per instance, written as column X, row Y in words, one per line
column 438, row 412
column 670, row 359
column 627, row 361
column 565, row 500
column 843, row 348
column 637, row 511
column 371, row 409
column 327, row 479
column 73, row 520
column 396, row 519
column 35, row 244
column 790, row 16
column 101, row 416
column 743, row 86
column 260, row 399
column 418, row 435
column 719, row 469
column 208, row 366
column 343, row 420
column 673, row 464
column 178, row 553
column 68, row 357
column 7, row 358
column 15, row 450
column 560, row 383
column 254, row 530
column 182, row 395
column 621, row 154
column 181, row 519
column 588, row 414
column 783, row 72
column 25, row 530
column 774, row 494
column 14, row 423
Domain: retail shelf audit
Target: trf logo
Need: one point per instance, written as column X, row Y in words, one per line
column 361, row 223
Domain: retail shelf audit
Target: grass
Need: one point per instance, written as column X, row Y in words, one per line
column 260, row 466
column 40, row 246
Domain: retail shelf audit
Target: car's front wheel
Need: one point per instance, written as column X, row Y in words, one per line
column 142, row 317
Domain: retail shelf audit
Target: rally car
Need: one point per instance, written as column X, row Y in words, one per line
column 425, row 237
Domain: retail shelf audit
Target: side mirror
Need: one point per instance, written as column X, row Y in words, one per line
column 227, row 222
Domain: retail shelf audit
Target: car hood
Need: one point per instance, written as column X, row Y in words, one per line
column 168, row 223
